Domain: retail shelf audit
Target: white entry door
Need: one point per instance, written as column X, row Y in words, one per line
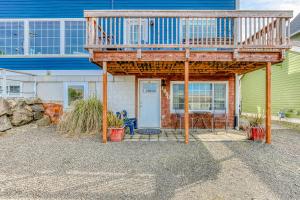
column 149, row 104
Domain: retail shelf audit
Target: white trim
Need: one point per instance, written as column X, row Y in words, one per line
column 138, row 99
column 192, row 111
column 26, row 38
column 62, row 37
column 66, row 86
column 237, row 100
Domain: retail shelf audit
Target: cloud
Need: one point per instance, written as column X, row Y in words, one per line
column 271, row 5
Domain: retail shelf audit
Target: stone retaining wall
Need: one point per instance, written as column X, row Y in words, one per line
column 18, row 112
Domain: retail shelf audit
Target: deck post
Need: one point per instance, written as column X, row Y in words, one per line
column 268, row 103
column 104, row 101
column 186, row 101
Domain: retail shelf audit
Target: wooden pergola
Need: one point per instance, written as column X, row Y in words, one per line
column 256, row 39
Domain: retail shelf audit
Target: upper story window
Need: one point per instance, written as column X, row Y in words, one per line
column 199, row 29
column 44, row 37
column 75, row 37
column 11, row 38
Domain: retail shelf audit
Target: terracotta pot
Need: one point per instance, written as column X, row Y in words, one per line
column 116, row 134
column 257, row 133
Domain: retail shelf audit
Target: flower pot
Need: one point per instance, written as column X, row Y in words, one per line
column 257, row 133
column 116, row 134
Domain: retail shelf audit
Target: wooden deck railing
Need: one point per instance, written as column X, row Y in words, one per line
column 199, row 30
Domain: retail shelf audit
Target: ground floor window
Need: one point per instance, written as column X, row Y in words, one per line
column 74, row 91
column 203, row 96
column 13, row 89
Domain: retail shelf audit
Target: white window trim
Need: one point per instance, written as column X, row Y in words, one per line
column 13, row 94
column 66, row 86
column 27, row 39
column 194, row 111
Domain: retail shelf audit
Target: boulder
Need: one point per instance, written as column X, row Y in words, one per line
column 12, row 103
column 45, row 121
column 37, row 108
column 31, row 101
column 38, row 115
column 21, row 116
column 20, row 103
column 4, row 107
column 4, row 123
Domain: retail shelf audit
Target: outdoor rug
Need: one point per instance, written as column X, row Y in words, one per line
column 148, row 131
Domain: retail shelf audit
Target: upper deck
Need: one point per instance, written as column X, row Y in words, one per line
column 227, row 37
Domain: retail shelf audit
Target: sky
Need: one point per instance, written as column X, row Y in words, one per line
column 271, row 5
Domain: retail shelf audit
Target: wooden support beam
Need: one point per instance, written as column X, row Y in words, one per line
column 268, row 103
column 186, row 101
column 104, row 101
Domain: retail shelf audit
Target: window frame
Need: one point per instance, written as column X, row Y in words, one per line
column 26, row 38
column 20, row 84
column 173, row 111
column 66, row 87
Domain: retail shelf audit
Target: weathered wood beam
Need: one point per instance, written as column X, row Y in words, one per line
column 268, row 103
column 186, row 101
column 180, row 56
column 104, row 102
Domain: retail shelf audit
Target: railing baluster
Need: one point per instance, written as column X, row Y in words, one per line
column 284, row 31
column 167, row 31
column 115, row 31
column 158, row 28
column 264, row 31
column 172, row 31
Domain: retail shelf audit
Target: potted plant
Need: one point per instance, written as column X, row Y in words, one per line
column 116, row 128
column 257, row 132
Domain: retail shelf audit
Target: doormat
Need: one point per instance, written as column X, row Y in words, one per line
column 148, row 131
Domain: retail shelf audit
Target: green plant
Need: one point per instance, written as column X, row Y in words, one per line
column 113, row 121
column 256, row 121
column 85, row 116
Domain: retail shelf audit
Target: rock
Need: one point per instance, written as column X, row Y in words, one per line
column 37, row 108
column 12, row 103
column 4, row 107
column 28, row 108
column 21, row 116
column 31, row 101
column 45, row 121
column 38, row 115
column 20, row 103
column 4, row 123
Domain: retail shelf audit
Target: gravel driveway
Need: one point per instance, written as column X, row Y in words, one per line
column 42, row 164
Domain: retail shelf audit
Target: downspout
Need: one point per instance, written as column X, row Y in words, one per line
column 237, row 102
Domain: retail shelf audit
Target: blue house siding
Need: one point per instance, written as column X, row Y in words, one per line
column 47, row 64
column 74, row 8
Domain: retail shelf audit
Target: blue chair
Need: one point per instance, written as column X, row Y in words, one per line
column 131, row 123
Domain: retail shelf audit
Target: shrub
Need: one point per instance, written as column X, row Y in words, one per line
column 85, row 116
column 113, row 121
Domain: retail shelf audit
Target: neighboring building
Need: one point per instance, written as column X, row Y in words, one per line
column 285, row 82
column 149, row 49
